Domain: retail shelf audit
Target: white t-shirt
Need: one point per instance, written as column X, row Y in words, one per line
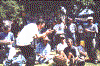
column 61, row 47
column 26, row 35
column 59, row 28
column 72, row 27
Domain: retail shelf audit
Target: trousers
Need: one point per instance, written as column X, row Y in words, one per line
column 90, row 48
column 29, row 54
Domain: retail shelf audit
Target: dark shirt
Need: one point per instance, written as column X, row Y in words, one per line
column 72, row 49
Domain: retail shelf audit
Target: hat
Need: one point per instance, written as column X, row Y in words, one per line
column 89, row 18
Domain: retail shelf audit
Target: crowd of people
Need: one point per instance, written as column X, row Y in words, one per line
column 47, row 33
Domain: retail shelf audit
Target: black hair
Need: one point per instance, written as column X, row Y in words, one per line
column 38, row 22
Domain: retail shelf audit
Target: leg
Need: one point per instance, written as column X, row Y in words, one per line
column 12, row 53
column 29, row 54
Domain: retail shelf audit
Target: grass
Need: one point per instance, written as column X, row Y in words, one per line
column 86, row 63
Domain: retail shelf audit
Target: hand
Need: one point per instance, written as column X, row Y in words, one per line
column 86, row 29
column 65, row 27
column 41, row 56
column 49, row 31
column 11, row 42
column 35, row 36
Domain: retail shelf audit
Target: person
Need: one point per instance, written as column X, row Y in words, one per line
column 26, row 36
column 82, row 56
column 69, row 55
column 62, row 45
column 59, row 29
column 80, row 33
column 90, row 31
column 71, row 29
column 71, row 52
column 7, row 43
column 43, row 51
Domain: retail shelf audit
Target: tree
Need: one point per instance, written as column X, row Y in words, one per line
column 10, row 9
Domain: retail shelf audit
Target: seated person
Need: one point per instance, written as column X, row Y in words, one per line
column 70, row 54
column 7, row 43
column 43, row 50
column 81, row 59
column 62, row 45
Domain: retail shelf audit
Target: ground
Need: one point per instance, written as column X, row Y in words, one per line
column 53, row 64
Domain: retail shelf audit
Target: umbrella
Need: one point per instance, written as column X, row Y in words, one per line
column 86, row 12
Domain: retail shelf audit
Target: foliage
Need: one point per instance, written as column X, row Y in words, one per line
column 10, row 9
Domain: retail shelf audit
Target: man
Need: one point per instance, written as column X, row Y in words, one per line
column 62, row 45
column 80, row 31
column 69, row 55
column 43, row 50
column 25, row 38
column 90, row 31
column 7, row 42
column 59, row 29
column 71, row 29
column 71, row 52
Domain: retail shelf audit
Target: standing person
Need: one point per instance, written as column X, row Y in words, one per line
column 71, row 29
column 25, row 37
column 59, row 29
column 90, row 30
column 80, row 35
column 6, row 40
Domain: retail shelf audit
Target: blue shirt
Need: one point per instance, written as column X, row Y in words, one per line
column 43, row 50
column 7, row 37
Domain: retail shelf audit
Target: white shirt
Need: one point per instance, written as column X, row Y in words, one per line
column 72, row 27
column 26, row 34
column 59, row 28
column 61, row 46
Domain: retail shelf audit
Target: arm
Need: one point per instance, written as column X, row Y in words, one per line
column 84, row 53
column 64, row 55
column 6, row 42
column 44, row 34
column 77, row 53
column 89, row 30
